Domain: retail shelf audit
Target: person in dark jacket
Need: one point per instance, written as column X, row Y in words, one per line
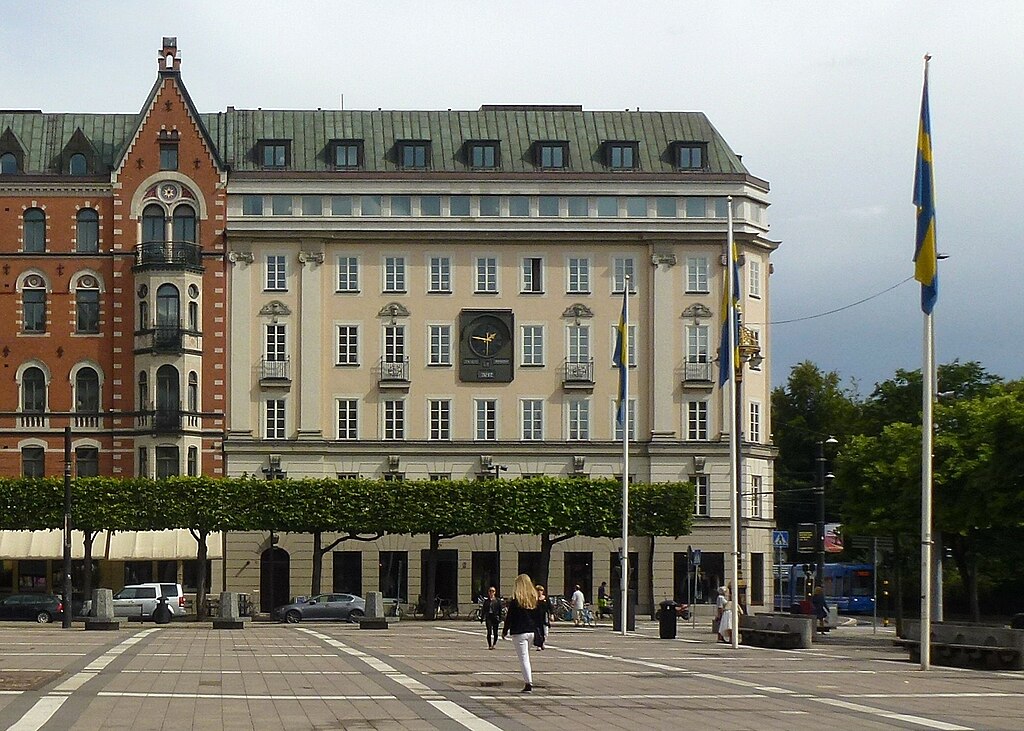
column 820, row 607
column 543, row 618
column 490, row 614
column 521, row 623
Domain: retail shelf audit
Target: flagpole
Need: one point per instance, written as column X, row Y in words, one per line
column 624, row 406
column 734, row 445
column 926, row 489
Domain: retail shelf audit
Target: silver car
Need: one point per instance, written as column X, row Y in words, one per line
column 324, row 607
column 141, row 600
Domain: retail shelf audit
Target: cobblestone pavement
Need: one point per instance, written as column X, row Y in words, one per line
column 419, row 675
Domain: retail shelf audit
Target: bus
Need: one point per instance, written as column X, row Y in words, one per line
column 848, row 586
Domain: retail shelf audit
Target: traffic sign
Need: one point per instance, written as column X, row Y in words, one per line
column 696, row 557
column 780, row 538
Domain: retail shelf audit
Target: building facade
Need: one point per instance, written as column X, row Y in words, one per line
column 419, row 295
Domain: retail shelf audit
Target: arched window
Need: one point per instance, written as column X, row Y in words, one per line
column 193, row 392
column 143, row 391
column 77, row 165
column 168, row 306
column 87, row 231
column 184, row 224
column 33, row 390
column 34, row 232
column 153, row 224
column 87, row 391
column 143, row 314
column 168, row 389
column 87, row 305
column 8, row 164
column 193, row 316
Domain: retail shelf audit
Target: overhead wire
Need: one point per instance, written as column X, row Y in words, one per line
column 840, row 309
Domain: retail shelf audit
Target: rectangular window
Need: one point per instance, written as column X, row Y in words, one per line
column 579, row 420
column 440, row 420
column 553, row 155
column 697, row 343
column 754, row 430
column 169, row 156
column 483, row 155
column 622, row 155
column 696, row 207
column 394, row 274
column 87, row 461
column 34, row 305
column 274, row 153
column 721, row 209
column 754, row 277
column 689, row 156
column 755, row 363
column 252, row 205
column 547, row 205
column 401, row 205
column 636, row 207
column 275, row 342
column 490, row 205
column 665, row 207
column 394, row 343
column 280, row 205
column 701, row 504
column 579, row 276
column 486, row 419
column 348, row 274
column 697, row 274
column 458, row 205
column 341, row 205
column 622, row 267
column 440, row 274
column 607, row 206
column 143, row 462
column 532, row 271
column 630, row 419
column 518, row 205
column 533, row 345
column 348, row 419
column 414, row 155
column 276, row 273
column 347, row 153
column 167, row 462
column 579, row 206
column 430, row 205
column 486, row 274
column 312, row 205
column 579, row 344
column 192, row 463
column 697, row 421
column 369, row 205
column 756, row 492
column 394, row 419
column 87, row 311
column 348, row 345
column 533, row 419
column 274, row 426
column 440, row 345
column 33, row 461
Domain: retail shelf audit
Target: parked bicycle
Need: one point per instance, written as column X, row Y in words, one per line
column 443, row 609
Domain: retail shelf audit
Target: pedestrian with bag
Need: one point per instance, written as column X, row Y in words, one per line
column 716, row 623
column 521, row 623
column 490, row 615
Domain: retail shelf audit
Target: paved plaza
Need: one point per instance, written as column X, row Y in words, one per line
column 420, row 675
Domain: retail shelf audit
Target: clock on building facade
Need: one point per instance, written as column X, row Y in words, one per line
column 486, row 346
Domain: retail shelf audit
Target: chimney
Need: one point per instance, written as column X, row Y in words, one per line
column 169, row 58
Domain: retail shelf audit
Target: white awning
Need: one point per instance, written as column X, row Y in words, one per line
column 127, row 546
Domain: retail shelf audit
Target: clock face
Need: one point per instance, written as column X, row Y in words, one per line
column 487, row 337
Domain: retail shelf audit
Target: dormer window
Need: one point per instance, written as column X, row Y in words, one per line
column 414, row 154
column 78, row 165
column 483, row 154
column 552, row 155
column 275, row 153
column 689, row 155
column 622, row 155
column 348, row 154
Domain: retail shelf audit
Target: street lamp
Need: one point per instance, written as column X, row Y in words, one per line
column 819, row 492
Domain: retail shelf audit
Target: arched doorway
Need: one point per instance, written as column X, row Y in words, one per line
column 275, row 588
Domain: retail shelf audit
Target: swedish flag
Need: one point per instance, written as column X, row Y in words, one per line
column 926, row 269
column 729, row 357
column 620, row 358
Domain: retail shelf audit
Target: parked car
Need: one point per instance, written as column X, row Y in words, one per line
column 323, row 606
column 42, row 608
column 141, row 600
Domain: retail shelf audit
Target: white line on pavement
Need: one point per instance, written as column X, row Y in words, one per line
column 39, row 714
column 244, row 696
column 634, row 696
column 906, row 718
column 460, row 715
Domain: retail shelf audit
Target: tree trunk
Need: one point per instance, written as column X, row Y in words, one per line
column 201, row 555
column 88, row 536
column 318, row 563
column 967, row 564
column 650, row 578
column 430, row 579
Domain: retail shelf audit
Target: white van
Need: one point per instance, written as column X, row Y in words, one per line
column 141, row 600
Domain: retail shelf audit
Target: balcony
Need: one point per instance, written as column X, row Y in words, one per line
column 275, row 373
column 394, row 373
column 166, row 420
column 167, row 339
column 578, row 374
column 698, row 375
column 164, row 254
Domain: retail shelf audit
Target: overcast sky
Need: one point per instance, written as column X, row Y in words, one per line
column 820, row 98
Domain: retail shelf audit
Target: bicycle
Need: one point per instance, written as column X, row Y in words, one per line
column 443, row 609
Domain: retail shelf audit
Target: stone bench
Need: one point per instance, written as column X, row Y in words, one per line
column 966, row 645
column 789, row 631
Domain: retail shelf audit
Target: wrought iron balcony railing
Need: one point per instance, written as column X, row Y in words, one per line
column 169, row 253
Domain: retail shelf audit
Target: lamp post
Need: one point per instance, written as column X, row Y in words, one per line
column 819, row 492
column 496, row 469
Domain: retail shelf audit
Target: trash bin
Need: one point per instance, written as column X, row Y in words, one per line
column 667, row 621
column 162, row 613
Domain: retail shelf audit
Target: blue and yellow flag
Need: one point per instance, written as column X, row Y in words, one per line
column 620, row 358
column 728, row 358
column 926, row 269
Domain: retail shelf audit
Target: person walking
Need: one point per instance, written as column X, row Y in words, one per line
column 578, row 603
column 602, row 600
column 543, row 618
column 521, row 623
column 820, row 607
column 490, row 615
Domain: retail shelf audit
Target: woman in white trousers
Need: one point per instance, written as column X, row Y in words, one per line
column 521, row 623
